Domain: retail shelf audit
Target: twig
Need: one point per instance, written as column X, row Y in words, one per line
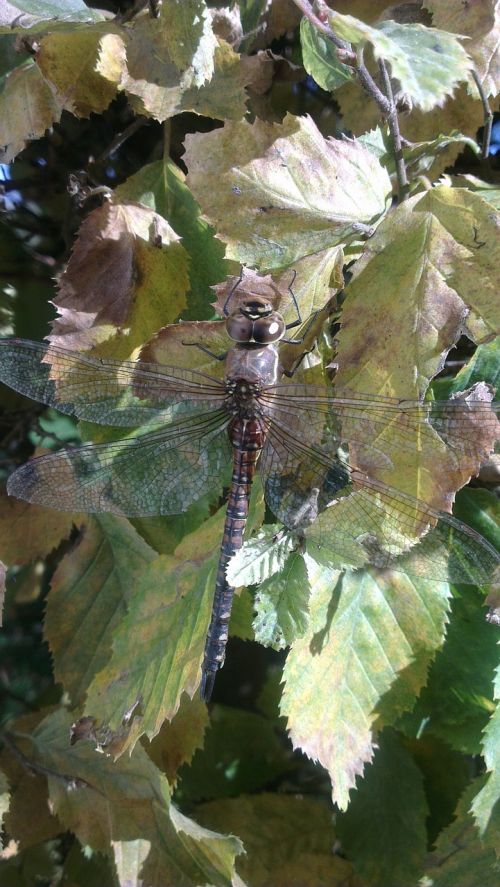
column 71, row 782
column 121, row 137
column 393, row 121
column 324, row 27
column 488, row 116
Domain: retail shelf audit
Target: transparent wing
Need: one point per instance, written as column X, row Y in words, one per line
column 160, row 472
column 382, row 427
column 368, row 522
column 109, row 392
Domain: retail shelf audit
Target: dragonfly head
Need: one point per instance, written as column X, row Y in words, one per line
column 255, row 321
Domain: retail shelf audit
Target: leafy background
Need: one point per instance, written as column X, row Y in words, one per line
column 149, row 150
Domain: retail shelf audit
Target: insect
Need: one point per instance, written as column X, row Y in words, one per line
column 312, row 450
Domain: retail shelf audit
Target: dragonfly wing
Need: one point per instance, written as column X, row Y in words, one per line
column 382, row 428
column 161, row 472
column 367, row 521
column 378, row 525
column 109, row 392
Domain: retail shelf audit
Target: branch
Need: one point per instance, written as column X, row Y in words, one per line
column 71, row 782
column 488, row 117
column 393, row 121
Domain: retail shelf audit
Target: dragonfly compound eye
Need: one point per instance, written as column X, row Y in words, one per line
column 239, row 327
column 268, row 329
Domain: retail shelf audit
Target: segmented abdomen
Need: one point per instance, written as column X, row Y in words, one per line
column 247, row 437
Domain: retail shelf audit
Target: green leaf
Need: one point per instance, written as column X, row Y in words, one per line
column 483, row 365
column 428, row 63
column 389, row 801
column 319, row 57
column 28, row 107
column 242, row 752
column 364, row 630
column 486, row 804
column 168, row 617
column 115, row 802
column 4, row 797
column 279, row 192
column 460, row 858
column 288, row 839
column 32, row 15
column 88, row 599
column 282, row 605
column 162, row 188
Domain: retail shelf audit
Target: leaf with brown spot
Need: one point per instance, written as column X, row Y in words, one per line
column 127, row 274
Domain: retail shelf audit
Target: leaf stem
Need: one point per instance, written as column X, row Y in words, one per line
column 488, row 116
column 393, row 122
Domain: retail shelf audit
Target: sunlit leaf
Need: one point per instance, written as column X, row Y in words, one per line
column 390, row 800
column 288, row 839
column 67, row 60
column 189, row 37
column 279, row 192
column 319, row 57
column 21, row 15
column 88, row 599
column 487, row 190
column 484, row 364
column 420, row 156
column 427, row 62
column 281, row 605
column 260, row 558
column 479, row 22
column 4, row 796
column 364, row 630
column 28, row 107
column 127, row 273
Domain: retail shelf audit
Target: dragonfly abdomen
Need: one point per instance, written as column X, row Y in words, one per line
column 247, row 438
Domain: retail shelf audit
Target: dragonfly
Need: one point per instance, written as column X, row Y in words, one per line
column 318, row 455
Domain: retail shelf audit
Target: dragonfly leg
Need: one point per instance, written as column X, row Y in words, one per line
column 206, row 350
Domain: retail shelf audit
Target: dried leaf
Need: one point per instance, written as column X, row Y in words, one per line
column 279, row 192
column 127, row 274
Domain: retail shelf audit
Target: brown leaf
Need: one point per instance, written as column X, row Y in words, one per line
column 125, row 268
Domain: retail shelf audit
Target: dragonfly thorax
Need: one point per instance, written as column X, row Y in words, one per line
column 242, row 400
column 255, row 321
